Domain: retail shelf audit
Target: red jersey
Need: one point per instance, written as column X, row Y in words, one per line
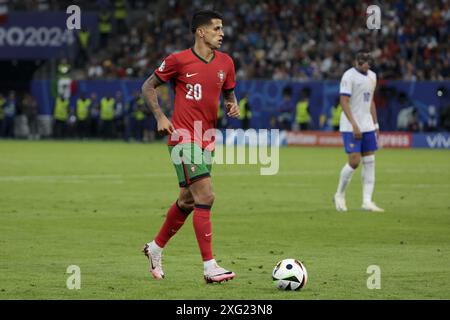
column 198, row 85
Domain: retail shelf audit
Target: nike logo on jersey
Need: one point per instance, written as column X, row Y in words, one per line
column 208, row 234
column 188, row 75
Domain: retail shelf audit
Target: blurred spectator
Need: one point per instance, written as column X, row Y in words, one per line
column 445, row 118
column 104, row 26
column 82, row 108
column 119, row 115
column 83, row 39
column 63, row 67
column 94, row 116
column 128, row 120
column 407, row 119
column 95, row 70
column 137, row 116
column 246, row 112
column 63, row 80
column 286, row 110
column 432, row 119
column 120, row 15
column 107, row 104
column 336, row 115
column 302, row 116
column 150, row 126
column 9, row 113
column 30, row 110
column 61, row 116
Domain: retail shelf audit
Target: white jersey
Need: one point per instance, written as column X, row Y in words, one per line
column 359, row 87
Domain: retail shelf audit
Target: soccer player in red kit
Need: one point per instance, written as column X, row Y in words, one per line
column 200, row 75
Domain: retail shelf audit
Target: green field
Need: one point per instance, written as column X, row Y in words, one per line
column 95, row 204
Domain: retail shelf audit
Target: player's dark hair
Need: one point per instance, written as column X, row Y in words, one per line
column 203, row 17
column 362, row 57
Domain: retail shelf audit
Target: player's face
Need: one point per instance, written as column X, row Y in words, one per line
column 363, row 65
column 213, row 35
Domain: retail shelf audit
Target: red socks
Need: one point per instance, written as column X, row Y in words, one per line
column 174, row 220
column 202, row 227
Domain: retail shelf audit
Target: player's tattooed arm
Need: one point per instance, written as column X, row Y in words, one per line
column 150, row 95
column 229, row 98
column 151, row 99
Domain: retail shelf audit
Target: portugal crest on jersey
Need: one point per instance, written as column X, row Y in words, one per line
column 221, row 75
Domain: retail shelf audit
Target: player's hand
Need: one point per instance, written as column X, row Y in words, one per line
column 232, row 110
column 357, row 133
column 165, row 126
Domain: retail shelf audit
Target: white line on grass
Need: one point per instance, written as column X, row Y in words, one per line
column 83, row 177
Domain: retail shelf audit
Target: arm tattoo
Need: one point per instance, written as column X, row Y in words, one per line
column 150, row 95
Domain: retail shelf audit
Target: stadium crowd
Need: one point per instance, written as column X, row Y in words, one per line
column 281, row 40
column 270, row 39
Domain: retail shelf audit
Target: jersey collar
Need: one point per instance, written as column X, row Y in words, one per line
column 203, row 60
column 364, row 74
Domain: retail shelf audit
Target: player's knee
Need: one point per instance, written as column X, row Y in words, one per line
column 207, row 198
column 354, row 163
column 186, row 205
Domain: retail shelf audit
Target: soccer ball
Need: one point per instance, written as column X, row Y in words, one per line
column 289, row 274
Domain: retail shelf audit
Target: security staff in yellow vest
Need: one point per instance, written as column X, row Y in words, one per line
column 107, row 116
column 104, row 27
column 303, row 117
column 61, row 115
column 336, row 116
column 137, row 107
column 140, row 119
column 82, row 113
column 120, row 15
column 83, row 37
column 246, row 113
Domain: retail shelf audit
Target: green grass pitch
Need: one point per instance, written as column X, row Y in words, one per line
column 95, row 204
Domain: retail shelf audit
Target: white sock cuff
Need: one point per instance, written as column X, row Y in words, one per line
column 209, row 263
column 153, row 246
column 368, row 159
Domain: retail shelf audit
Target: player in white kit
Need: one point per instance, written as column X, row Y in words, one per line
column 359, row 129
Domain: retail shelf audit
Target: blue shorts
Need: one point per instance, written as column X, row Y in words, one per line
column 368, row 142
